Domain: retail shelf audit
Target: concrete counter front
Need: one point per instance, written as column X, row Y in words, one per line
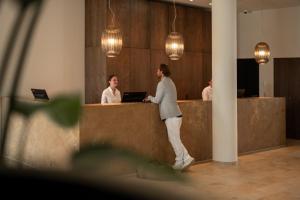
column 48, row 145
column 261, row 125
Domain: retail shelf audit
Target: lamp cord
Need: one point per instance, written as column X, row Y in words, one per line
column 112, row 13
column 175, row 16
column 261, row 21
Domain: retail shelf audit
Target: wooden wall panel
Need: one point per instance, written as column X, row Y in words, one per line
column 193, row 75
column 159, row 24
column 95, row 20
column 139, row 26
column 95, row 60
column 145, row 25
column 140, row 70
column 180, row 19
column 187, row 75
column 120, row 66
column 193, row 30
column 286, row 84
column 95, row 74
column 121, row 9
column 207, row 30
column 207, row 69
column 177, row 74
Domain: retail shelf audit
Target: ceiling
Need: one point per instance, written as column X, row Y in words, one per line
column 198, row 3
column 266, row 4
column 249, row 5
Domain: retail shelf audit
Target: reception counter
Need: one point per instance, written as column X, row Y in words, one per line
column 137, row 126
column 48, row 145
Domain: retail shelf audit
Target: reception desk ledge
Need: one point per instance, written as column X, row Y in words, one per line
column 137, row 126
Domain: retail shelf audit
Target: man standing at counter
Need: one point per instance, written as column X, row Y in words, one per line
column 166, row 97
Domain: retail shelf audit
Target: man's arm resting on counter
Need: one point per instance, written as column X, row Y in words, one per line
column 159, row 94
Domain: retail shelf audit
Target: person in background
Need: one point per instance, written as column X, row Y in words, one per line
column 207, row 92
column 166, row 97
column 111, row 94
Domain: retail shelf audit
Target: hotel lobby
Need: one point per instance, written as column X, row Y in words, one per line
column 151, row 99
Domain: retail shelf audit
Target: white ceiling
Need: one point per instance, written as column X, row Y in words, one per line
column 199, row 3
column 266, row 4
column 247, row 4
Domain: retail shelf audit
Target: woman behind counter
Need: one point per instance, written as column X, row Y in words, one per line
column 111, row 94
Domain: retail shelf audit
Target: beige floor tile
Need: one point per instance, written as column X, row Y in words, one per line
column 269, row 175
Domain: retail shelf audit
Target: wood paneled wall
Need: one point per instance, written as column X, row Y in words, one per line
column 287, row 84
column 145, row 25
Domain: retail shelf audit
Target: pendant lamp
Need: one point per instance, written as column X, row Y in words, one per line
column 111, row 39
column 174, row 43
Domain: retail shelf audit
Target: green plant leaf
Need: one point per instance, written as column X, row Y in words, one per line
column 93, row 158
column 26, row 109
column 64, row 110
column 26, row 2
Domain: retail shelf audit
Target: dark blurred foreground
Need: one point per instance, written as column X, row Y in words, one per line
column 34, row 184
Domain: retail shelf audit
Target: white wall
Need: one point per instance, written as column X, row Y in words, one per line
column 281, row 30
column 56, row 58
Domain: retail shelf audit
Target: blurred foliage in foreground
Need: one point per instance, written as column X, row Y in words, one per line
column 100, row 159
column 64, row 110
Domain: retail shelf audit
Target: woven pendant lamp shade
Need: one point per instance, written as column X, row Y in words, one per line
column 111, row 42
column 174, row 46
column 111, row 38
column 174, row 43
column 262, row 53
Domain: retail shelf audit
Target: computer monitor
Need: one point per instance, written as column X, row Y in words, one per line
column 133, row 97
column 39, row 94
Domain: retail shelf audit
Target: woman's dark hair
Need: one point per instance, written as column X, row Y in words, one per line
column 110, row 77
column 165, row 70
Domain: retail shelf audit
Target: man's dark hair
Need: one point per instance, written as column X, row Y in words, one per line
column 165, row 70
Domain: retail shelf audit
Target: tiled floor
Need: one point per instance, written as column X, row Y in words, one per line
column 268, row 175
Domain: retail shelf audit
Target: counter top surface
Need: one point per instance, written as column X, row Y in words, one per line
column 185, row 101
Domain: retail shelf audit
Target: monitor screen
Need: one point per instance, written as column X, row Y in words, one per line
column 133, row 97
column 40, row 94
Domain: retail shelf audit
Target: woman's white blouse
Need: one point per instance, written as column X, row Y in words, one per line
column 207, row 94
column 109, row 97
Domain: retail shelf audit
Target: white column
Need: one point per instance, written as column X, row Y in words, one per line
column 224, row 64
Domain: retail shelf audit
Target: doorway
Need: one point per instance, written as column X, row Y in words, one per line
column 287, row 84
column 248, row 77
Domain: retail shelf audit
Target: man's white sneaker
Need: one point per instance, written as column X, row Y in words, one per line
column 187, row 163
column 178, row 166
